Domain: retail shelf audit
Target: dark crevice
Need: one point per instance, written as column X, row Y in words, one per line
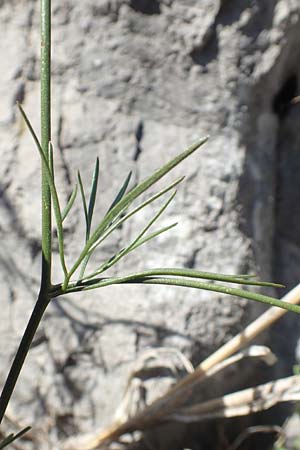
column 286, row 238
column 287, row 190
column 139, row 133
column 270, row 213
column 66, row 425
column 12, row 295
column 228, row 14
column 148, row 7
column 204, row 55
column 191, row 261
column 208, row 51
column 283, row 100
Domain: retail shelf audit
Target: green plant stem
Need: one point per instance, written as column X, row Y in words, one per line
column 46, row 138
column 44, row 297
column 13, row 375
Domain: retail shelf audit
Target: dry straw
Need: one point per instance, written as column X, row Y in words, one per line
column 170, row 405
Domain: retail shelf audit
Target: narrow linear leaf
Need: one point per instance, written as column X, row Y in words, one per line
column 149, row 224
column 84, row 265
column 151, row 199
column 88, row 212
column 191, row 273
column 130, row 247
column 142, row 187
column 83, row 202
column 58, row 216
column 123, row 219
column 93, row 197
column 70, row 203
column 51, row 163
column 185, row 282
column 56, row 206
column 121, row 192
column 128, row 198
column 138, row 244
column 153, row 235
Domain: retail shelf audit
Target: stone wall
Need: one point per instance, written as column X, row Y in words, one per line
column 134, row 82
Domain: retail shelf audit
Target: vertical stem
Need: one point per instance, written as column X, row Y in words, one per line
column 46, row 137
column 44, row 297
column 16, row 367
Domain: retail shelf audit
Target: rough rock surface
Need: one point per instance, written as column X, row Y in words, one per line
column 134, row 82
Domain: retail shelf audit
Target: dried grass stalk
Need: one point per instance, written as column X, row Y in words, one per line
column 170, row 403
column 242, row 403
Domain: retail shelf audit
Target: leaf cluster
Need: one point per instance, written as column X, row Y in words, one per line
column 120, row 211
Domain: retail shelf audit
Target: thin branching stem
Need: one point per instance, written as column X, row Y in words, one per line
column 43, row 298
column 21, row 354
column 46, row 137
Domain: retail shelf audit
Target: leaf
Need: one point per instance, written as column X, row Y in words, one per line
column 138, row 244
column 131, row 247
column 121, row 192
column 89, row 210
column 129, row 198
column 93, row 197
column 185, row 282
column 191, row 273
column 153, row 235
column 50, row 180
column 119, row 222
column 83, row 203
column 51, row 163
column 70, row 203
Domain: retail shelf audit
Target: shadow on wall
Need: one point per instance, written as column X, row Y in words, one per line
column 286, row 240
column 149, row 7
column 271, row 213
column 287, row 190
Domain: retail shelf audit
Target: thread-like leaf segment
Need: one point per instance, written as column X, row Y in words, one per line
column 50, row 179
column 129, row 198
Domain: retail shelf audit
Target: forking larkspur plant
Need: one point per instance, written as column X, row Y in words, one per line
column 77, row 277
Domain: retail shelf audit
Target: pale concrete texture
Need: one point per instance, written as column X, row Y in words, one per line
column 134, row 82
